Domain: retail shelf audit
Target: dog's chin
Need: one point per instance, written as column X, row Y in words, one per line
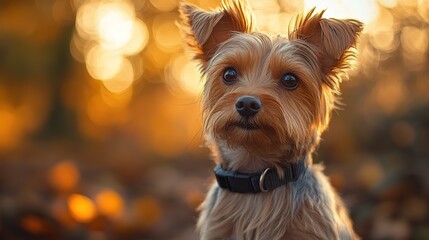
column 250, row 135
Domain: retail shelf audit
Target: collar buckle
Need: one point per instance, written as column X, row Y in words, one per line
column 261, row 180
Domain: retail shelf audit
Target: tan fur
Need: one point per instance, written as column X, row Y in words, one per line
column 290, row 123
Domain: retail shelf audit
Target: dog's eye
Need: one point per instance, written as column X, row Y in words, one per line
column 230, row 75
column 290, row 81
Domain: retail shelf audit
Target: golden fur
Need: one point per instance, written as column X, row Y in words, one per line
column 317, row 51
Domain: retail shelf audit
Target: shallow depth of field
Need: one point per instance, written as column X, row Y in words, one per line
column 100, row 123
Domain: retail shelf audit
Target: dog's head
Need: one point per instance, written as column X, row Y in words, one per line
column 263, row 91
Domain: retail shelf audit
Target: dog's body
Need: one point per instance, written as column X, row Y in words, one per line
column 306, row 209
column 267, row 100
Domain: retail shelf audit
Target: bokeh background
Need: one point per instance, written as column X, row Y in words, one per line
column 100, row 123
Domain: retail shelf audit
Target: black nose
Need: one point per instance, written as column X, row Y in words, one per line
column 248, row 106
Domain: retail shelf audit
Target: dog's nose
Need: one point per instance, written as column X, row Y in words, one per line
column 248, row 106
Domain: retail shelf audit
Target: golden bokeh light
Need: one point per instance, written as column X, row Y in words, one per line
column 207, row 4
column 158, row 59
column 164, row 5
column 423, row 9
column 384, row 41
column 109, row 203
column 116, row 100
column 82, row 209
column 382, row 35
column 414, row 47
column 182, row 74
column 105, row 109
column 138, row 39
column 118, row 35
column 388, row 3
column 122, row 80
column 35, row 224
column 64, row 176
column 115, row 24
column 265, row 22
column 97, row 111
column 190, row 78
column 414, row 40
column 86, row 22
column 363, row 10
column 24, row 115
column 110, row 22
column 77, row 3
column 273, row 17
column 266, row 6
column 9, row 128
column 390, row 84
column 79, row 47
column 102, row 64
column 166, row 33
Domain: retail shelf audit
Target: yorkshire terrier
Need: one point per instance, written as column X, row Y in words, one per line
column 267, row 100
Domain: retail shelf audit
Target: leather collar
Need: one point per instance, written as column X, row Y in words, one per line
column 264, row 181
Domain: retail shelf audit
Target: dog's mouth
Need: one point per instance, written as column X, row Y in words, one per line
column 248, row 133
column 244, row 124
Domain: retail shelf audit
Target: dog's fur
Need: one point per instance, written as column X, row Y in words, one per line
column 317, row 51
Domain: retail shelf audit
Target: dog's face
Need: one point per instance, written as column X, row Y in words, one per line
column 261, row 91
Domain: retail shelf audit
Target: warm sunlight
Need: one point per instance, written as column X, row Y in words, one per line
column 64, row 176
column 102, row 64
column 81, row 208
column 138, row 39
column 109, row 203
column 122, row 80
column 363, row 10
column 106, row 132
column 115, row 24
column 182, row 74
column 110, row 34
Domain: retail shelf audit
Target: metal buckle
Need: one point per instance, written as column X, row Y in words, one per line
column 261, row 180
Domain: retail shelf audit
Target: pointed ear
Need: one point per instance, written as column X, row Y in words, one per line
column 205, row 31
column 332, row 38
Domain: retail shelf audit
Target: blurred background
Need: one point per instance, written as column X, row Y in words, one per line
column 100, row 123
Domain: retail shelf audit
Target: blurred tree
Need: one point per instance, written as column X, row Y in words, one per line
column 34, row 50
column 61, row 121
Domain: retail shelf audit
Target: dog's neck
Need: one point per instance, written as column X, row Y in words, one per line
column 242, row 160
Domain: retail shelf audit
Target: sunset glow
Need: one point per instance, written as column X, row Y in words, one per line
column 118, row 34
column 109, row 203
column 363, row 10
column 105, row 130
column 81, row 208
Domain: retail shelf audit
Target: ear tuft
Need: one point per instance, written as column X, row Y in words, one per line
column 205, row 31
column 239, row 14
column 333, row 39
column 196, row 26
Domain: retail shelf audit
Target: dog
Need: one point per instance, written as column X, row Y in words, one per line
column 266, row 102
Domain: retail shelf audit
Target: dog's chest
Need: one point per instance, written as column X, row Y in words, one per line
column 254, row 216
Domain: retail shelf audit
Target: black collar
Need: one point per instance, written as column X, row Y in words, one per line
column 258, row 182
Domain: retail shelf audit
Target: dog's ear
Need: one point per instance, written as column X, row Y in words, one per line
column 204, row 31
column 332, row 38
